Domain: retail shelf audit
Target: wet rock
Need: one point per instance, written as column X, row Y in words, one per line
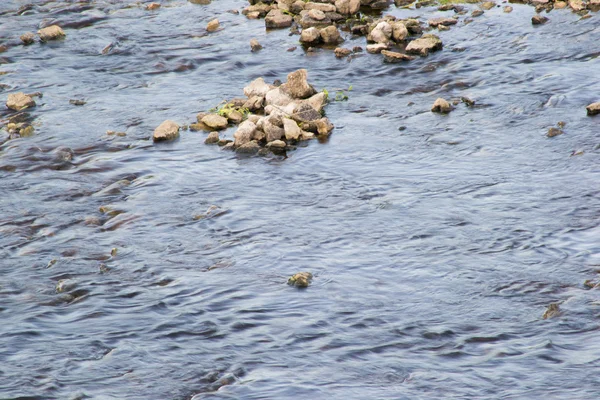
column 593, row 5
column 214, row 121
column 254, row 45
column 257, row 87
column 306, row 21
column 65, row 285
column 77, row 102
column 52, row 32
column 330, row 35
column 467, row 101
column 212, row 25
column 301, row 279
column 476, row 13
column 399, row 31
column 248, row 148
column 153, row 6
column 441, row 106
column 488, row 5
column 395, row 57
column 229, row 146
column 539, row 20
column 19, row 101
column 244, row 133
column 297, row 85
column 276, row 19
column 234, row 116
column 381, row 33
column 424, row 45
column 508, row 9
column 325, row 7
column 324, row 126
column 342, row 52
column 223, row 142
column 413, row 26
column 377, row 48
column 577, row 5
column 593, row 109
column 554, row 132
column 347, row 7
column 212, row 138
column 435, row 22
column 552, row 311
column 310, row 36
column 27, row 38
column 292, row 130
column 168, row 130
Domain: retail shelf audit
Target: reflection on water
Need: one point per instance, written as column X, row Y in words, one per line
column 436, row 242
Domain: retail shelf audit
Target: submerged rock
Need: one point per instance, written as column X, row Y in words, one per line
column 441, row 106
column 554, row 132
column 19, row 101
column 52, row 32
column 342, row 52
column 301, row 279
column 168, row 130
column 552, row 311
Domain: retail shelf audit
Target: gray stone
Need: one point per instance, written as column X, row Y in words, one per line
column 381, row 33
column 244, row 133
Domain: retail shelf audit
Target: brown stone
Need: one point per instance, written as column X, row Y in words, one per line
column 441, row 106
column 297, row 85
column 168, row 130
column 52, row 32
column 19, row 101
column 215, row 121
column 28, row 38
column 424, row 45
column 539, row 20
column 394, row 57
column 276, row 19
column 593, row 109
column 212, row 25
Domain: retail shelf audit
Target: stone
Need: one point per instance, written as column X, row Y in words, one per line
column 244, row 133
column 394, row 57
column 52, row 32
column 272, row 131
column 301, row 279
column 553, row 310
column 330, row 35
column 324, row 126
column 347, row 7
column 593, row 5
column 215, row 121
column 376, row 48
column 277, row 144
column 424, row 45
column 291, row 129
column 257, row 87
column 153, row 6
column 77, row 102
column 27, row 38
column 593, row 109
column 399, row 32
column 508, row 9
column 476, row 13
column 317, row 101
column 381, row 33
column 488, row 5
column 320, row 6
column 298, row 6
column 19, row 101
column 278, row 97
column 435, row 22
column 305, row 20
column 317, row 15
column 342, row 52
column 307, row 135
column 234, row 116
column 539, row 20
column 560, row 5
column 310, row 36
column 276, row 19
column 441, row 106
column 297, row 85
column 168, row 130
column 212, row 25
column 305, row 113
column 577, row 5
column 212, row 138
column 251, row 147
column 554, row 132
column 254, row 103
column 254, row 45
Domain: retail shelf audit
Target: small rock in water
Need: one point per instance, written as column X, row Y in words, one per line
column 593, row 109
column 376, row 48
column 277, row 144
column 254, row 45
column 424, row 45
column 212, row 25
column 27, row 38
column 297, row 85
column 52, row 32
column 215, row 121
column 476, row 13
column 467, row 101
column 301, row 279
column 553, row 310
column 342, row 52
column 441, row 106
column 76, row 102
column 554, row 132
column 248, row 148
column 168, row 130
column 113, row 252
column 212, row 138
column 539, row 20
column 276, row 19
column 488, row 5
column 152, row 6
column 330, row 35
column 310, row 36
column 19, row 101
column 394, row 57
column 508, row 9
column 64, row 285
column 435, row 22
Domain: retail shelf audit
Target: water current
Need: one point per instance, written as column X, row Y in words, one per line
column 436, row 241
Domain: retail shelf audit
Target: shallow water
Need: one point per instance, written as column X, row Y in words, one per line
column 435, row 247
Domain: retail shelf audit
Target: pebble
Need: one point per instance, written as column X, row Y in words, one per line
column 212, row 25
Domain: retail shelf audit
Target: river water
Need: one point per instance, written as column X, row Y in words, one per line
column 436, row 241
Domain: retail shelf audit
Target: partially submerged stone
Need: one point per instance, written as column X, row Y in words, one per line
column 212, row 25
column 297, row 85
column 539, row 20
column 424, row 45
column 441, row 106
column 395, row 57
column 244, row 133
column 310, row 36
column 52, row 32
column 554, row 132
column 27, row 38
column 251, row 147
column 399, row 31
column 552, row 311
column 212, row 138
column 488, row 5
column 300, row 280
column 330, row 35
column 276, row 19
column 377, row 48
column 153, row 6
column 168, row 130
column 19, row 101
column 214, row 121
column 342, row 52
column 255, row 45
column 435, row 22
column 593, row 109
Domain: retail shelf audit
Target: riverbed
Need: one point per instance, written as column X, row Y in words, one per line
column 139, row 270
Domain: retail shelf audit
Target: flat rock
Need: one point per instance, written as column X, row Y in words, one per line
column 52, row 32
column 376, row 48
column 317, row 15
column 168, row 130
column 424, row 45
column 435, row 22
column 394, row 57
column 488, row 5
column 305, row 113
column 215, row 121
column 441, row 106
column 325, row 7
column 19, row 101
column 593, row 109
column 277, row 97
column 276, row 19
column 277, row 144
